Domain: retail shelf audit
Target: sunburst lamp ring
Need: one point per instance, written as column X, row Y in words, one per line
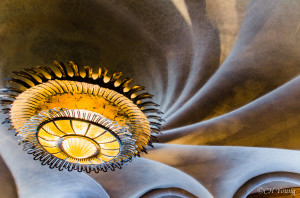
column 53, row 110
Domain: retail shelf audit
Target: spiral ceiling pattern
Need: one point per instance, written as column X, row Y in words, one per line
column 225, row 73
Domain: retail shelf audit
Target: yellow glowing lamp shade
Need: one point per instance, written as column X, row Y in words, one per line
column 78, row 140
column 75, row 95
column 78, row 117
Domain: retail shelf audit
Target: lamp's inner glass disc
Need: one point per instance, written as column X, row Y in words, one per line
column 79, row 146
column 78, row 141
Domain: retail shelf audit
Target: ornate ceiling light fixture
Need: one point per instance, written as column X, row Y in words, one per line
column 72, row 117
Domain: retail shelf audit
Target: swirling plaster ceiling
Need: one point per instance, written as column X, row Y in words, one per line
column 224, row 72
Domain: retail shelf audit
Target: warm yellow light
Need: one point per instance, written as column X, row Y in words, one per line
column 79, row 147
column 71, row 117
column 78, row 141
column 80, row 127
column 79, row 95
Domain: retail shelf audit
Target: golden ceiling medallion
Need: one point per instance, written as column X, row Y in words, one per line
column 80, row 120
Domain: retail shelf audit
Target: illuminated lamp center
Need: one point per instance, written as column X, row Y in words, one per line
column 79, row 147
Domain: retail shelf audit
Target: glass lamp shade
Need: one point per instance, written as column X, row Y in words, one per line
column 74, row 140
column 80, row 118
column 77, row 137
column 75, row 95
